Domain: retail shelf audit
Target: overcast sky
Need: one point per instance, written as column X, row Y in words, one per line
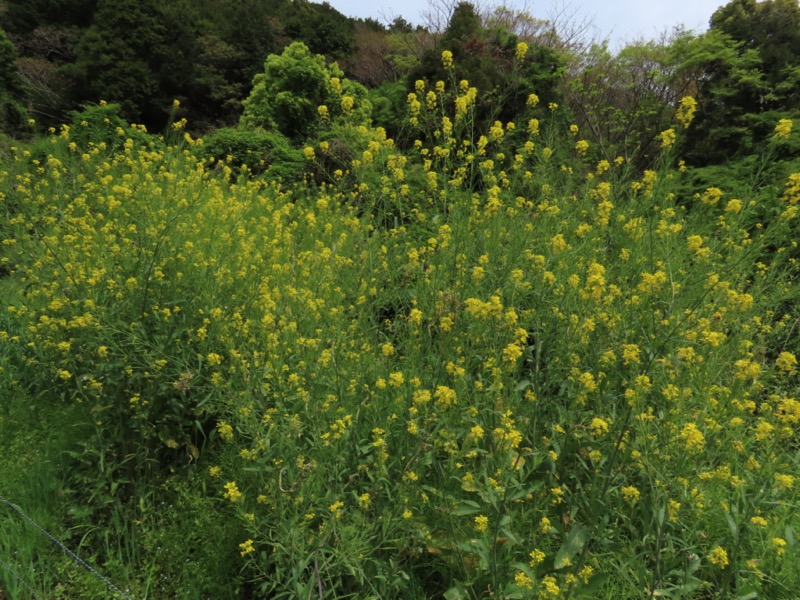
column 619, row 20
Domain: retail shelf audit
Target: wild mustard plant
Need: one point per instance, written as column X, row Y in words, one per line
column 492, row 361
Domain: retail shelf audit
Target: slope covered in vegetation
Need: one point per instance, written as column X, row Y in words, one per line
column 488, row 354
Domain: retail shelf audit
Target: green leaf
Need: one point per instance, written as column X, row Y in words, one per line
column 592, row 588
column 524, row 384
column 789, row 535
column 733, row 526
column 455, row 593
column 575, row 541
column 467, row 507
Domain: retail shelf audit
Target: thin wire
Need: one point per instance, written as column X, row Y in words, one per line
column 77, row 559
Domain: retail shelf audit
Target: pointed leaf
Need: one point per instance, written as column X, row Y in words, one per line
column 575, row 541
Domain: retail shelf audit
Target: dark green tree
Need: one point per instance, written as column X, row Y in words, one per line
column 13, row 116
column 320, row 27
column 140, row 53
column 23, row 16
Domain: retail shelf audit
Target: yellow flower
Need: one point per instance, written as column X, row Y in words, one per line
column 582, row 146
column 533, row 100
column 558, row 243
column 667, row 138
column 686, row 109
column 783, row 129
column 511, row 353
column 630, row 494
column 792, row 193
column 347, row 104
column 447, row 59
column 232, row 492
column 718, row 557
column 523, row 581
column 336, row 508
column 786, row 362
column 598, row 426
column 225, row 431
column 522, row 50
column 308, row 152
column 630, row 354
column 481, row 523
column 693, row 438
column 545, row 525
column 780, row 545
column 445, row 396
column 246, row 547
column 784, row 481
column 537, row 557
column 549, row 588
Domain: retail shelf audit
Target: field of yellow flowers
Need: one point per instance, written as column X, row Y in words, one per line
column 487, row 364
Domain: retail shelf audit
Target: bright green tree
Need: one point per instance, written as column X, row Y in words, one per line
column 299, row 93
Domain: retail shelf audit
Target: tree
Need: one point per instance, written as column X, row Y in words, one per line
column 13, row 116
column 288, row 95
column 321, row 27
column 625, row 100
column 139, row 53
column 748, row 75
column 370, row 63
column 487, row 58
column 23, row 16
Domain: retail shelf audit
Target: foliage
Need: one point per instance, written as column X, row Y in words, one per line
column 623, row 101
column 746, row 67
column 488, row 59
column 288, row 95
column 487, row 363
column 320, row 27
column 13, row 116
column 257, row 151
column 138, row 54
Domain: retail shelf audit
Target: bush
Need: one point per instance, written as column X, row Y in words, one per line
column 259, row 151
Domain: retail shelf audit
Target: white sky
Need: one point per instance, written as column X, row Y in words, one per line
column 619, row 20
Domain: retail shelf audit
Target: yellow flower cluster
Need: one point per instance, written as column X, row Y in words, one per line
column 686, row 109
column 783, row 129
